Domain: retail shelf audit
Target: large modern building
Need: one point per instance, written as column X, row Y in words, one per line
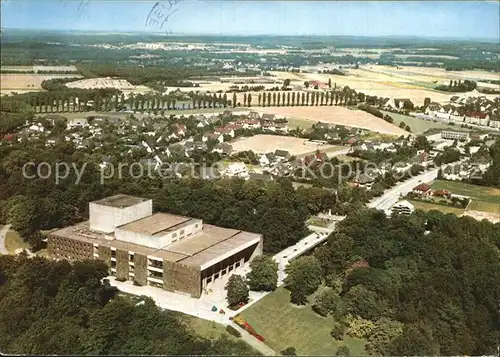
column 176, row 253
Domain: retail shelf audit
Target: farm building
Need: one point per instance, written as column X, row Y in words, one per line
column 176, row 253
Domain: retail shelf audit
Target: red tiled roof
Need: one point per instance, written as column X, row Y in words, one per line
column 423, row 187
column 223, row 130
column 477, row 115
column 441, row 192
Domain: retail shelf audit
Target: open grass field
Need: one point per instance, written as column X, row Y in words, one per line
column 338, row 115
column 294, row 123
column 13, row 242
column 427, row 206
column 485, row 200
column 284, row 325
column 264, row 143
column 418, row 126
column 479, row 193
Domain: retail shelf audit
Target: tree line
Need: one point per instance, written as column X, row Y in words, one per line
column 62, row 308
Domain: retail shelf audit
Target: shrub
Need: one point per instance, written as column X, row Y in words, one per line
column 232, row 331
column 338, row 331
column 289, row 351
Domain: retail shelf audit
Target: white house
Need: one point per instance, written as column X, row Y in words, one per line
column 37, row 128
column 237, row 169
column 212, row 136
column 267, row 159
column 403, row 207
column 224, row 131
column 75, row 123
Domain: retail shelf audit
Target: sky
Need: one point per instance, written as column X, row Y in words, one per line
column 454, row 19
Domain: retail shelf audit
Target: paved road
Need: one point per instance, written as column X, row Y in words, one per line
column 389, row 198
column 3, row 233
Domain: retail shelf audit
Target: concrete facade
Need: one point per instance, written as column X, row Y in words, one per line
column 105, row 216
column 175, row 253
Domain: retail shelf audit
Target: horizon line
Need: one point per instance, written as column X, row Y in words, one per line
column 435, row 37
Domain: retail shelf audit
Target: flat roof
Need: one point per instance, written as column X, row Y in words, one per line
column 209, row 236
column 120, row 201
column 216, row 252
column 83, row 233
column 157, row 224
column 203, row 248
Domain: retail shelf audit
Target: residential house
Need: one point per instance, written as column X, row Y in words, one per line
column 364, row 180
column 422, row 189
column 315, row 160
column 77, row 123
column 224, row 131
column 254, row 115
column 212, row 136
column 441, row 193
column 399, row 104
column 365, row 146
column 237, row 169
column 37, row 128
column 250, row 123
column 195, row 145
column 269, row 117
column 224, row 149
column 403, row 207
column 267, row 159
column 282, row 155
column 477, row 118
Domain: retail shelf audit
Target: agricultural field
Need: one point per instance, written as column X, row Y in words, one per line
column 22, row 83
column 415, row 83
column 294, row 123
column 264, row 143
column 95, row 83
column 285, row 325
column 418, row 126
column 338, row 115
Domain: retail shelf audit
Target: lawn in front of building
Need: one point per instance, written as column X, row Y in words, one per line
column 481, row 193
column 285, row 325
column 428, row 206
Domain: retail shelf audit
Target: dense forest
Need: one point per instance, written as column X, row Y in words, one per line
column 62, row 308
column 425, row 284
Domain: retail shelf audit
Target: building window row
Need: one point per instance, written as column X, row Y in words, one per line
column 155, row 263
column 155, row 274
